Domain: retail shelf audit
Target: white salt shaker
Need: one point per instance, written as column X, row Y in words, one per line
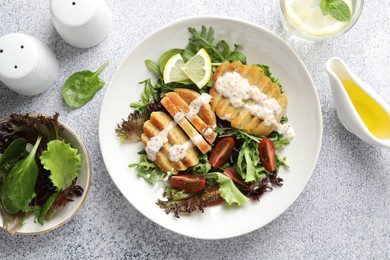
column 27, row 66
column 81, row 23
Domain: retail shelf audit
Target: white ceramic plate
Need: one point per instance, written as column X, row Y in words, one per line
column 304, row 112
column 66, row 213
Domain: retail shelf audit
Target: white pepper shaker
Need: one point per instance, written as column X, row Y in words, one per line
column 27, row 66
column 81, row 23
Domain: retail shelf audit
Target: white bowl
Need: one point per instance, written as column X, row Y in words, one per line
column 304, row 113
column 67, row 212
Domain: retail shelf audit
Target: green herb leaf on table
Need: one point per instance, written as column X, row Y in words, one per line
column 82, row 86
column 338, row 9
column 63, row 162
column 18, row 186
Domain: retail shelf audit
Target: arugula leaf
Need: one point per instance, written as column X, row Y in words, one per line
column 268, row 73
column 152, row 94
column 218, row 52
column 152, row 66
column 82, row 86
column 230, row 55
column 148, row 170
column 229, row 191
column 18, row 186
column 279, row 140
column 248, row 162
column 338, row 9
column 63, row 162
column 203, row 165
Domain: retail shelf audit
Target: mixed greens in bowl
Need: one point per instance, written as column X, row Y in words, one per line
column 45, row 173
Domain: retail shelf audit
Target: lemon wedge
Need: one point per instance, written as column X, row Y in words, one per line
column 198, row 68
column 308, row 17
column 172, row 70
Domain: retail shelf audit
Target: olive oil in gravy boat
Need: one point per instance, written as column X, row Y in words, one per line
column 361, row 110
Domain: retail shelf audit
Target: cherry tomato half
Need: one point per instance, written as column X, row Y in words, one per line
column 188, row 182
column 222, row 151
column 233, row 174
column 267, row 154
column 211, row 196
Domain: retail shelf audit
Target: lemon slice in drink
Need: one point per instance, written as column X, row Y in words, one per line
column 198, row 68
column 308, row 17
column 172, row 70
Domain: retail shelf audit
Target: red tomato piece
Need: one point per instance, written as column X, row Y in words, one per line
column 233, row 174
column 267, row 154
column 189, row 182
column 222, row 151
column 211, row 196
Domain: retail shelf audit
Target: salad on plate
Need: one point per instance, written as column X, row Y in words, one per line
column 212, row 126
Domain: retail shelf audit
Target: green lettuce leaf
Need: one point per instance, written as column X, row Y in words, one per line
column 229, row 191
column 148, row 170
column 63, row 162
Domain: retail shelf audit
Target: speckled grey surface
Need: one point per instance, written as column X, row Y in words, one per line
column 344, row 211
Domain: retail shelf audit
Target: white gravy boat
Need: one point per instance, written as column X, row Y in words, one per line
column 346, row 111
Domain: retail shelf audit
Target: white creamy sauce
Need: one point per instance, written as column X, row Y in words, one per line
column 226, row 117
column 241, row 94
column 156, row 142
column 197, row 104
column 233, row 86
column 286, row 130
column 178, row 151
column 197, row 139
column 178, row 117
column 207, row 131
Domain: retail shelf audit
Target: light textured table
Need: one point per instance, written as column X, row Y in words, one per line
column 344, row 211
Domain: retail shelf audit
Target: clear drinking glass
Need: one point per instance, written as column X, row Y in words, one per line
column 305, row 18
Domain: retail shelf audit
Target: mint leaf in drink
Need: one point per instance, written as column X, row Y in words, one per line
column 325, row 7
column 338, row 9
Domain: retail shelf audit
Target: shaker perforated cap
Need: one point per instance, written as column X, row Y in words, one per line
column 18, row 56
column 73, row 13
column 81, row 23
column 27, row 66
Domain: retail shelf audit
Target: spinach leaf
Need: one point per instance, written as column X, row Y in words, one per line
column 166, row 56
column 18, row 186
column 13, row 152
column 82, row 86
